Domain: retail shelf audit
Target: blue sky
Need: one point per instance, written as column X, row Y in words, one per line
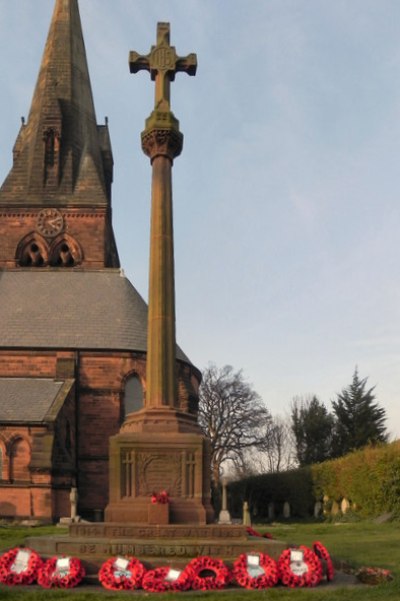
column 286, row 196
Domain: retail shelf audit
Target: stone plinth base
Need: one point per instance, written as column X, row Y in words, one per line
column 172, row 545
column 142, row 463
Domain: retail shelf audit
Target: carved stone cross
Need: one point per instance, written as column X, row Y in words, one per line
column 163, row 63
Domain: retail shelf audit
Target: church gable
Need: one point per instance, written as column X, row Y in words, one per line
column 37, row 441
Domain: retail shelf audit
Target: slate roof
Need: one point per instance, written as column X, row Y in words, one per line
column 72, row 309
column 30, row 399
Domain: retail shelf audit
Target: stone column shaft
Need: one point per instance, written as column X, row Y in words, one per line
column 161, row 387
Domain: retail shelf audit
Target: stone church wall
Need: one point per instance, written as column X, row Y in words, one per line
column 27, row 364
column 91, row 414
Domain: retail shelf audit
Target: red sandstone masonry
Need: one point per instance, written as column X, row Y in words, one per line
column 27, row 364
column 100, row 385
column 87, row 226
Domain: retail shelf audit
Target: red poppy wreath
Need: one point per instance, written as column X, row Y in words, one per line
column 207, row 573
column 162, row 498
column 251, row 532
column 299, row 567
column 163, row 579
column 322, row 553
column 19, row 566
column 61, row 572
column 255, row 571
column 120, row 574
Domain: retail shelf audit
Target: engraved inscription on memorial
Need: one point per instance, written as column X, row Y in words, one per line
column 159, row 471
column 147, row 549
column 181, row 531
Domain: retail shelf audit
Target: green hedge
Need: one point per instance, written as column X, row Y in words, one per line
column 294, row 486
column 368, row 478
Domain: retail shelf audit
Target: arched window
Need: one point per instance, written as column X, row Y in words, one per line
column 65, row 252
column 32, row 251
column 133, row 395
column 20, row 456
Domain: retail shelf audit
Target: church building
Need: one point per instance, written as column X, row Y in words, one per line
column 73, row 328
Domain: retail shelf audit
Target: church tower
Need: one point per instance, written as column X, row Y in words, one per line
column 56, row 201
column 73, row 329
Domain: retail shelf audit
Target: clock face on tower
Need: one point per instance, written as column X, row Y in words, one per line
column 50, row 222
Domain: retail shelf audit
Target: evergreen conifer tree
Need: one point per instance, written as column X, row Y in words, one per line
column 312, row 426
column 359, row 419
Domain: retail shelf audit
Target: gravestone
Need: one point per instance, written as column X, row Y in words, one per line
column 317, row 509
column 286, row 510
column 224, row 515
column 73, row 497
column 271, row 511
column 74, row 517
column 246, row 514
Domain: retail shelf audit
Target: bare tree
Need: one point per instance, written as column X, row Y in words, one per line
column 277, row 452
column 278, row 445
column 232, row 416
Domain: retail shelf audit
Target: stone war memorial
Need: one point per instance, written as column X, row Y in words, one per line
column 98, row 409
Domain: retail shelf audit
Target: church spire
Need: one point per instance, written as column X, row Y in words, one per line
column 61, row 156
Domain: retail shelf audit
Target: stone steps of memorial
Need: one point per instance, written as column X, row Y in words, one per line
column 157, row 550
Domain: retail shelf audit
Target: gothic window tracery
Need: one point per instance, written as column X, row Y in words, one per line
column 32, row 251
column 65, row 252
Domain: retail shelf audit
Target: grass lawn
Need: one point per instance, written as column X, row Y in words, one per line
column 359, row 543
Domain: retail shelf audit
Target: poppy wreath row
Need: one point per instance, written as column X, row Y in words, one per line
column 118, row 574
column 25, row 566
column 19, row 566
column 54, row 574
column 297, row 567
column 203, row 573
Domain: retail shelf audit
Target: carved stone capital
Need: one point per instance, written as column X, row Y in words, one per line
column 164, row 142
